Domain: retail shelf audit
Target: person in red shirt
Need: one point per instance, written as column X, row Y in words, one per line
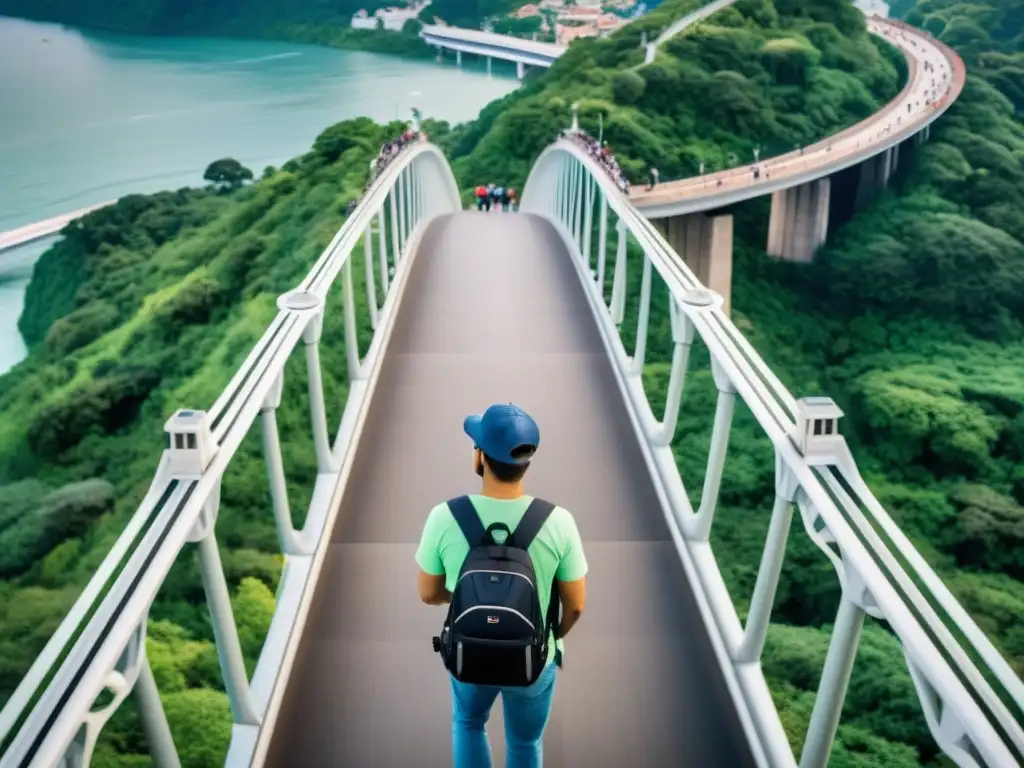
column 481, row 197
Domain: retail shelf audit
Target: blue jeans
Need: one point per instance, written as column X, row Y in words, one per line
column 526, row 713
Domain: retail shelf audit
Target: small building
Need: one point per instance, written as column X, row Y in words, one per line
column 817, row 427
column 362, row 20
column 527, row 11
column 190, row 446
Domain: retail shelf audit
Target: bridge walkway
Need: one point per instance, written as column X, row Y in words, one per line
column 494, row 312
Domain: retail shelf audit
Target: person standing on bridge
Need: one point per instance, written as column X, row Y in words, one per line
column 652, row 178
column 478, row 553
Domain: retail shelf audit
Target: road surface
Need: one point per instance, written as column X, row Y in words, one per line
column 927, row 94
column 496, row 312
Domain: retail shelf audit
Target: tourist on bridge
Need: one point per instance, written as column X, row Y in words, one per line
column 512, row 198
column 652, row 178
column 477, row 554
column 481, row 197
column 497, row 195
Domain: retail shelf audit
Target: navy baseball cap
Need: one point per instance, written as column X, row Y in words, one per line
column 502, row 432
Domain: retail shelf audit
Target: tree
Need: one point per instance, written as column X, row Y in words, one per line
column 227, row 173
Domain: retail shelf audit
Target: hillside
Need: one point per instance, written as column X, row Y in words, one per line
column 152, row 304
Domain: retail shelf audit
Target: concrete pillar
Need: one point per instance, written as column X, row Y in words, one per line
column 488, row 66
column 520, row 70
column 874, row 176
column 704, row 242
column 799, row 220
column 458, row 58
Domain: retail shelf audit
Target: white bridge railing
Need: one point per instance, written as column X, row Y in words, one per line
column 100, row 646
column 813, row 469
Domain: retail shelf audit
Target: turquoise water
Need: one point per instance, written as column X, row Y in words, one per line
column 88, row 117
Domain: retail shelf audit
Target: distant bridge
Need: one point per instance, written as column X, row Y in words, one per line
column 30, row 232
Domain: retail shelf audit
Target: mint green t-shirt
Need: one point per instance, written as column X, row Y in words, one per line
column 556, row 552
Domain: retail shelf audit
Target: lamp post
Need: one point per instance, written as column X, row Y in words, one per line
column 757, row 153
column 575, row 116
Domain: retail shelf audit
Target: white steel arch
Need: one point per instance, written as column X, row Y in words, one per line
column 964, row 712
column 100, row 645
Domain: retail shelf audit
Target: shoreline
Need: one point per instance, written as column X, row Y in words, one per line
column 380, row 41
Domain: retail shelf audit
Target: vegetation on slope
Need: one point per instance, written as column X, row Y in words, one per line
column 759, row 74
column 144, row 306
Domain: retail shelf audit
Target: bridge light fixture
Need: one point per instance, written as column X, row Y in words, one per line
column 190, row 444
column 817, row 427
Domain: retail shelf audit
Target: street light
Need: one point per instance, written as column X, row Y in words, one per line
column 575, row 116
column 757, row 153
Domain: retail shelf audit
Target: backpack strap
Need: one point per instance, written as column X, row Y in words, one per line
column 533, row 520
column 465, row 515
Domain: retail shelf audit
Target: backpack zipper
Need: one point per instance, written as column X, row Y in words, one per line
column 493, row 608
column 502, row 573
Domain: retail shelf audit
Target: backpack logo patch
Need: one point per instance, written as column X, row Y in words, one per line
column 492, row 619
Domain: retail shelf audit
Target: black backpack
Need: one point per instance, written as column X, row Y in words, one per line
column 495, row 633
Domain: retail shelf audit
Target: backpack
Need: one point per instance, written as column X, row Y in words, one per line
column 495, row 633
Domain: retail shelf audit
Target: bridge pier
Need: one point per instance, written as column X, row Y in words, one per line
column 488, row 66
column 799, row 220
column 520, row 70
column 458, row 58
column 875, row 173
column 704, row 240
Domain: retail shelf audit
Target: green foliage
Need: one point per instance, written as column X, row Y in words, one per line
column 163, row 299
column 754, row 74
column 227, row 173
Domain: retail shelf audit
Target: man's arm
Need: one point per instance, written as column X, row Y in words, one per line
column 432, row 589
column 428, row 556
column 571, row 576
column 573, row 595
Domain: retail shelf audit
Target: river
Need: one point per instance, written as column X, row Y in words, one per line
column 87, row 117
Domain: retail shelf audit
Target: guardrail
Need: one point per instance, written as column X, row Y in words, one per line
column 813, row 470
column 100, row 645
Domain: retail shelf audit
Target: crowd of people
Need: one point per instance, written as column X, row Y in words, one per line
column 389, row 150
column 600, row 151
column 499, row 198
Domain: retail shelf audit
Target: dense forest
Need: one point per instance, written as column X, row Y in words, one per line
column 910, row 317
column 318, row 22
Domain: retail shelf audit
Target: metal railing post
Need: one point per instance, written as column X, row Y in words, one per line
column 756, row 629
column 700, row 528
column 382, row 254
column 153, row 718
column 602, row 242
column 588, row 215
column 835, row 678
column 618, row 300
column 643, row 320
column 682, row 339
column 371, row 288
column 225, row 631
column 401, row 218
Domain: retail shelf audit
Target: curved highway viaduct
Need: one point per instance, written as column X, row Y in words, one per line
column 692, row 213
